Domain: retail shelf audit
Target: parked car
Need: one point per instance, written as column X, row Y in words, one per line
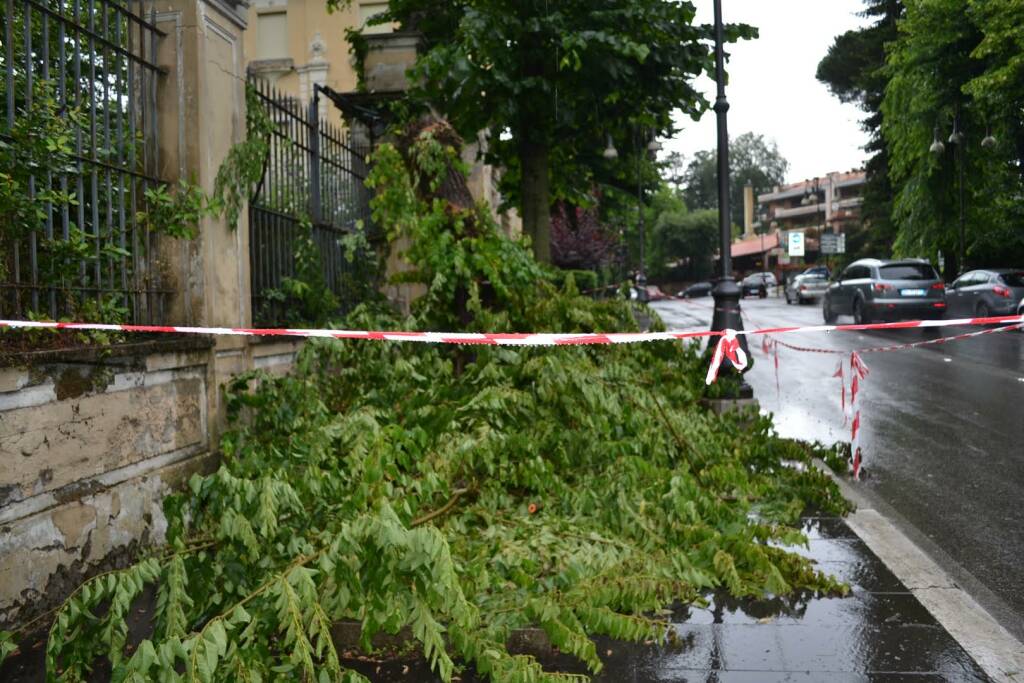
column 1020, row 311
column 823, row 271
column 873, row 289
column 654, row 293
column 984, row 293
column 757, row 284
column 696, row 290
column 805, row 288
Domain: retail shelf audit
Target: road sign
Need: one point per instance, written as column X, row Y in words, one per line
column 831, row 243
column 796, row 244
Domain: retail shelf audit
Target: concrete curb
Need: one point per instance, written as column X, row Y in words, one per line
column 994, row 648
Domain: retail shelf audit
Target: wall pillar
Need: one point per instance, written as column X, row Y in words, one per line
column 202, row 106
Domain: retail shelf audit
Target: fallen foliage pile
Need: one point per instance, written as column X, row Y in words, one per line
column 458, row 495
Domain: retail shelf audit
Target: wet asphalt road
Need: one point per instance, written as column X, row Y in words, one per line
column 943, row 435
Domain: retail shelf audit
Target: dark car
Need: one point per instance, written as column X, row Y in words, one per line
column 696, row 290
column 873, row 289
column 758, row 284
column 984, row 293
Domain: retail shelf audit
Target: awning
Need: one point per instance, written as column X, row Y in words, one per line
column 755, row 245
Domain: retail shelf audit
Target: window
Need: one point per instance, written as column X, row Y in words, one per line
column 856, row 273
column 369, row 9
column 908, row 271
column 1012, row 279
column 964, row 280
column 272, row 35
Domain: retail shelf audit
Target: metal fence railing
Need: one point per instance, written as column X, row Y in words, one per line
column 313, row 172
column 84, row 73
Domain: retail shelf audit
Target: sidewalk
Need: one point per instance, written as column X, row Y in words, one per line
column 880, row 632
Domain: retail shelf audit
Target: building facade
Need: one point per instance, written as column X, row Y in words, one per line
column 826, row 204
column 296, row 44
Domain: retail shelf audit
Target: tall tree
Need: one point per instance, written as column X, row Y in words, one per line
column 957, row 59
column 553, row 79
column 752, row 159
column 684, row 244
column 854, row 70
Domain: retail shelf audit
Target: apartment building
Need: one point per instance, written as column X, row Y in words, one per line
column 826, row 204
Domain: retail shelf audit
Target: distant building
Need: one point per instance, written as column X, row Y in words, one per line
column 296, row 44
column 827, row 204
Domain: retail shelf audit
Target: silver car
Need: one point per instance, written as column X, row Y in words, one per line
column 805, row 288
column 984, row 293
column 873, row 289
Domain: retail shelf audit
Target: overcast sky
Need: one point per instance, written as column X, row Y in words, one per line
column 772, row 89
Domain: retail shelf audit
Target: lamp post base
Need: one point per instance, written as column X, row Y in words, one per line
column 727, row 316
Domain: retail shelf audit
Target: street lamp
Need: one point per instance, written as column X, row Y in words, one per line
column 959, row 142
column 726, row 292
column 610, row 152
column 652, row 147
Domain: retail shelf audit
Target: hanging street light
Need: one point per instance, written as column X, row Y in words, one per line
column 989, row 141
column 610, row 152
column 937, row 147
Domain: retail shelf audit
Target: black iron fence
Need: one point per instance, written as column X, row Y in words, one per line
column 79, row 145
column 313, row 179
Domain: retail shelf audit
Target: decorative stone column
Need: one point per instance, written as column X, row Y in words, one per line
column 314, row 73
column 202, row 109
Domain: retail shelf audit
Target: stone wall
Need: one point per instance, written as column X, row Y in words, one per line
column 90, row 444
column 92, row 439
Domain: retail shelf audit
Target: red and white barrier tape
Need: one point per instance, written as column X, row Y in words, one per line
column 499, row 339
column 727, row 349
column 859, row 372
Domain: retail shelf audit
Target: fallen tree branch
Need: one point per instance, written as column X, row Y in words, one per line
column 444, row 509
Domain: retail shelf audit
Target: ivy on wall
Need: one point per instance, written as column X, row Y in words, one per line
column 38, row 149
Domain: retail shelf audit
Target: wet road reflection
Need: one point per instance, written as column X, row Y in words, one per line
column 943, row 435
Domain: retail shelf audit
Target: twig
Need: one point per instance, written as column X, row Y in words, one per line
column 419, row 521
column 683, row 445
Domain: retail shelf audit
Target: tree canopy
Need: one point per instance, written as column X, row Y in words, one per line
column 855, row 71
column 752, row 159
column 552, row 82
column 684, row 243
column 957, row 60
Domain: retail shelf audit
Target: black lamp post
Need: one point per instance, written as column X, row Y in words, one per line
column 959, row 141
column 726, row 292
column 646, row 143
column 641, row 273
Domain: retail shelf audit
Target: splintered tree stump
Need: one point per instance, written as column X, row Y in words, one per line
column 453, row 189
